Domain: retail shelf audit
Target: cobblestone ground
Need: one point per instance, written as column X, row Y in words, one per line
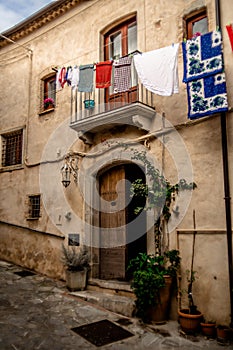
column 38, row 313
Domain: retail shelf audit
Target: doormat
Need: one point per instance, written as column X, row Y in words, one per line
column 102, row 332
column 24, row 273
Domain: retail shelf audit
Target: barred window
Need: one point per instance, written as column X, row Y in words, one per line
column 34, row 207
column 12, row 148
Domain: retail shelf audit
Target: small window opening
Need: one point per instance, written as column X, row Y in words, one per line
column 12, row 147
column 34, row 207
column 197, row 23
column 49, row 92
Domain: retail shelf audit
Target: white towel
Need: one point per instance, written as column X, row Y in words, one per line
column 75, row 77
column 158, row 70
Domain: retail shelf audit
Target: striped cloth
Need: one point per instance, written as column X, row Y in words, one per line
column 122, row 74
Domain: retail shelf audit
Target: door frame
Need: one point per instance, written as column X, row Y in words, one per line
column 89, row 187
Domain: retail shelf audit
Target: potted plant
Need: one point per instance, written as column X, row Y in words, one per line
column 48, row 103
column 208, row 328
column 190, row 318
column 77, row 266
column 152, row 277
column 149, row 271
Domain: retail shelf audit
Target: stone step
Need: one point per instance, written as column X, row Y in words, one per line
column 115, row 287
column 120, row 304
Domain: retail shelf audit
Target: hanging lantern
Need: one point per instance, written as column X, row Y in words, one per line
column 65, row 171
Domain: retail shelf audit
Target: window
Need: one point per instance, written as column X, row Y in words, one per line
column 34, row 207
column 197, row 23
column 118, row 42
column 12, row 148
column 121, row 40
column 49, row 89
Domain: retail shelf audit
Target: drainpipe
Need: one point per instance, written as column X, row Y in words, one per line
column 226, row 183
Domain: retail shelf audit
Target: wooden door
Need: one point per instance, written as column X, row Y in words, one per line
column 112, row 215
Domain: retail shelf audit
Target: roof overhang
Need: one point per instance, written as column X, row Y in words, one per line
column 37, row 20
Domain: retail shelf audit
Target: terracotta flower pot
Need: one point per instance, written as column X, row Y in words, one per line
column 223, row 334
column 160, row 312
column 190, row 323
column 208, row 329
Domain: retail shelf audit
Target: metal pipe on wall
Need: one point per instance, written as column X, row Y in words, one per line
column 226, row 183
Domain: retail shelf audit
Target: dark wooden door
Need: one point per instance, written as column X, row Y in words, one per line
column 113, row 243
column 116, row 215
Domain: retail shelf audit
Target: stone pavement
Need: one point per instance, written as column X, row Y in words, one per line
column 38, row 313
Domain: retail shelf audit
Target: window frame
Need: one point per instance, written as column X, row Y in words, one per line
column 31, row 207
column 120, row 27
column 191, row 19
column 45, row 93
column 18, row 151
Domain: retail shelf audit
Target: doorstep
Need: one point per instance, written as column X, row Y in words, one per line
column 115, row 296
column 115, row 287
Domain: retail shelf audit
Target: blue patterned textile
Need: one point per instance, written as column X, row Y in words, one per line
column 202, row 56
column 204, row 76
column 207, row 96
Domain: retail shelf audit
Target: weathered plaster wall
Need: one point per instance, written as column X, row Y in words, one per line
column 72, row 39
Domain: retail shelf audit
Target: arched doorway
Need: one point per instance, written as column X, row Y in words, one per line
column 113, row 260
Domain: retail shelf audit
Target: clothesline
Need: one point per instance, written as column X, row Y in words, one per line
column 82, row 77
column 158, row 72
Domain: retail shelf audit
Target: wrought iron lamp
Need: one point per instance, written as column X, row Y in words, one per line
column 70, row 167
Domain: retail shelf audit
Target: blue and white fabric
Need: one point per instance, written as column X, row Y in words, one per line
column 202, row 56
column 207, row 96
column 204, row 76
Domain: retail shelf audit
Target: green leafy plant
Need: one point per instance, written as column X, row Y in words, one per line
column 160, row 194
column 75, row 260
column 148, row 273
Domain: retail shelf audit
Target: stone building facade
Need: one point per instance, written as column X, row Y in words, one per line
column 38, row 213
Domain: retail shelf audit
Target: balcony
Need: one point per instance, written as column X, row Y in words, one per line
column 102, row 109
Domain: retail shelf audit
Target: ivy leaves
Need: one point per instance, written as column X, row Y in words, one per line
column 160, row 192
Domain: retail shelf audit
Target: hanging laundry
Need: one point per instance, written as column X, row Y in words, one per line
column 158, row 70
column 58, row 84
column 122, row 74
column 204, row 76
column 75, row 77
column 68, row 77
column 207, row 96
column 62, row 77
column 86, row 75
column 230, row 34
column 202, row 56
column 103, row 74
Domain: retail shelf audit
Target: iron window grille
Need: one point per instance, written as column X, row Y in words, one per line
column 12, row 148
column 34, row 207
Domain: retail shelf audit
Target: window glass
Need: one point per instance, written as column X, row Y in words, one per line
column 132, row 38
column 115, row 48
column 198, row 23
column 200, row 26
